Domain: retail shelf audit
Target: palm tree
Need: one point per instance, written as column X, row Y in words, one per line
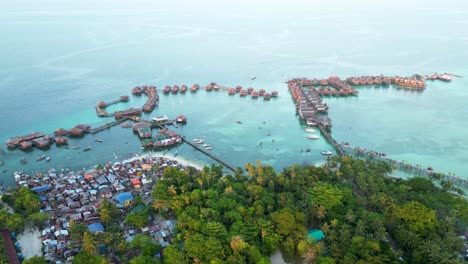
column 237, row 244
column 172, row 190
column 310, row 255
column 105, row 215
column 334, row 223
column 325, row 228
column 350, row 217
column 320, row 212
column 89, row 245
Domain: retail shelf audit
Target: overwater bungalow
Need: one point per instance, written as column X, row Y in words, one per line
column 175, row 89
column 231, row 91
column 261, row 92
column 250, row 90
column 254, row 94
column 274, row 94
column 60, row 132
column 266, row 96
column 137, row 90
column 167, row 89
column 60, row 140
column 181, row 119
column 183, row 88
column 243, row 92
column 25, row 145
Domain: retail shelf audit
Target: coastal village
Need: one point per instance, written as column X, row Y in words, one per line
column 76, row 196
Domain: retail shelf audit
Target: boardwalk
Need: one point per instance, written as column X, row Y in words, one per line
column 330, row 139
column 195, row 146
column 403, row 166
column 107, row 125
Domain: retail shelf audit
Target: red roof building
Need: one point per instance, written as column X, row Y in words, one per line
column 10, row 251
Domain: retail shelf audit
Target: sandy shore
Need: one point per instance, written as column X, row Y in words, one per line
column 30, row 242
column 168, row 156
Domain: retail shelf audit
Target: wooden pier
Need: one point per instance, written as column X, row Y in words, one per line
column 332, row 141
column 107, row 125
column 195, row 146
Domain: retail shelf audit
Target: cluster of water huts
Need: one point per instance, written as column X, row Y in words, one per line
column 37, row 139
column 100, row 107
column 409, row 82
column 153, row 97
column 213, row 86
column 308, row 103
column 164, row 138
column 76, row 196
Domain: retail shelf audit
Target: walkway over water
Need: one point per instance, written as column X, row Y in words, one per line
column 107, row 125
column 332, row 141
column 195, row 146
column 404, row 166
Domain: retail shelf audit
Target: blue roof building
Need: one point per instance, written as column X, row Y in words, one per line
column 96, row 227
column 124, row 198
column 316, row 234
column 41, row 189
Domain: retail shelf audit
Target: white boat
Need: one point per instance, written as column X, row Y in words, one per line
column 200, row 141
column 47, row 159
column 253, row 78
column 207, row 145
column 197, row 139
column 326, row 153
column 313, row 137
column 310, row 130
column 209, row 148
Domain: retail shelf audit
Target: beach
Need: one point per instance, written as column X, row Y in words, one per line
column 30, row 242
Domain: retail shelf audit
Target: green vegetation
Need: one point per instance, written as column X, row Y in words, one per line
column 26, row 205
column 35, row 260
column 367, row 217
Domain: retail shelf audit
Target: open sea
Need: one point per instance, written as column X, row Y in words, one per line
column 59, row 58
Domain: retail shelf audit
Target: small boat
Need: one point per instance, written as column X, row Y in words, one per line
column 1, row 163
column 326, row 153
column 75, row 147
column 41, row 158
column 238, row 122
column 310, row 130
column 313, row 137
column 206, row 145
column 87, row 148
column 68, row 158
column 209, row 148
column 200, row 141
column 197, row 139
column 98, row 140
column 23, row 161
column 47, row 159
column 253, row 78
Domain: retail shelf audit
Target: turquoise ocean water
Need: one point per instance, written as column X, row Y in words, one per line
column 59, row 58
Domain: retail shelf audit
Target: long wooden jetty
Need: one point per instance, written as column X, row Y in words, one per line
column 331, row 140
column 107, row 125
column 195, row 146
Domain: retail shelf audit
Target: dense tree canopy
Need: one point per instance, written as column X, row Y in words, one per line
column 366, row 216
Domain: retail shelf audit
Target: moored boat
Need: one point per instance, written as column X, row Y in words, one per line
column 41, row 158
column 87, row 148
column 209, row 148
column 47, row 159
column 313, row 137
column 326, row 153
column 310, row 130
column 98, row 140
